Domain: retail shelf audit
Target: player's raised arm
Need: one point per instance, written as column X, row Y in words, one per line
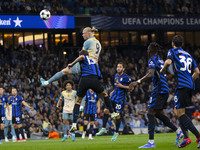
column 80, row 58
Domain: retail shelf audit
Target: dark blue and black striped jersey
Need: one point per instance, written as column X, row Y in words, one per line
column 183, row 64
column 3, row 100
column 119, row 94
column 89, row 67
column 159, row 80
column 16, row 105
column 91, row 103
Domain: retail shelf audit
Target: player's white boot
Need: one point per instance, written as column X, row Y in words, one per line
column 6, row 139
column 83, row 135
column 114, row 115
column 90, row 137
column 73, row 128
column 14, row 139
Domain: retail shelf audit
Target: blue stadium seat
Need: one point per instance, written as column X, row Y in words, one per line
column 69, row 3
column 81, row 10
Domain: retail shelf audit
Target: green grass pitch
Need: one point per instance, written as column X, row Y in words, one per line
column 124, row 142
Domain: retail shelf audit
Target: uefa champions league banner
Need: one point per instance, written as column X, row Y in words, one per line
column 35, row 22
column 141, row 23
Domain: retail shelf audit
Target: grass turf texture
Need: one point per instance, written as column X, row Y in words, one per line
column 124, row 142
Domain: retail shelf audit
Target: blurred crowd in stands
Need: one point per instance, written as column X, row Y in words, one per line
column 99, row 7
column 23, row 67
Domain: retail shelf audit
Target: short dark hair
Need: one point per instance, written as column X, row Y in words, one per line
column 177, row 40
column 155, row 47
column 121, row 64
column 83, row 52
column 68, row 81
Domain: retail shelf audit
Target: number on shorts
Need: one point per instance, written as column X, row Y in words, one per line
column 150, row 100
column 118, row 106
column 175, row 99
column 17, row 119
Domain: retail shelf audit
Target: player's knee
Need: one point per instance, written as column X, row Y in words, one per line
column 66, row 71
column 64, row 121
column 106, row 111
column 104, row 94
column 180, row 112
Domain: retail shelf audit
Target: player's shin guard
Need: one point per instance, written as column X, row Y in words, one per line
column 84, row 127
column 166, row 121
column 17, row 133
column 108, row 104
column 56, row 77
column 22, row 132
column 76, row 112
column 185, row 121
column 6, row 131
column 1, row 134
column 118, row 122
column 91, row 129
column 105, row 120
column 185, row 131
column 151, row 126
column 64, row 129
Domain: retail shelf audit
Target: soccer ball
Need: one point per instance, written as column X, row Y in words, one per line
column 45, row 14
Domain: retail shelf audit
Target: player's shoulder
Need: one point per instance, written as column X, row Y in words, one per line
column 126, row 75
column 74, row 91
column 19, row 96
column 152, row 60
column 63, row 92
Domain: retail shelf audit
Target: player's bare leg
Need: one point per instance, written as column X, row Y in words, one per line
column 56, row 77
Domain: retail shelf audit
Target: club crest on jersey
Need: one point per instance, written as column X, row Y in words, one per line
column 121, row 79
column 151, row 63
column 169, row 53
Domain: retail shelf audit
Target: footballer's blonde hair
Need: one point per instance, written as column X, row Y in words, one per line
column 93, row 29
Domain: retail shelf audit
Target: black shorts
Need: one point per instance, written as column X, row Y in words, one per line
column 89, row 82
column 158, row 101
column 1, row 119
column 17, row 120
column 92, row 117
column 183, row 97
column 118, row 106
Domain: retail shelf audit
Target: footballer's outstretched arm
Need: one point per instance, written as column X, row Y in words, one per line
column 148, row 76
column 80, row 58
